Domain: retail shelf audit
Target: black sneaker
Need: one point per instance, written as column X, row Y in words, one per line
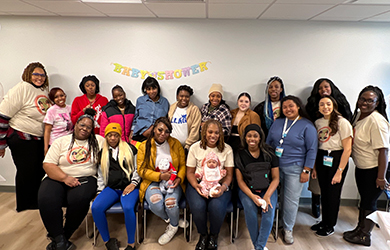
column 202, row 243
column 130, row 247
column 317, row 226
column 325, row 232
column 112, row 244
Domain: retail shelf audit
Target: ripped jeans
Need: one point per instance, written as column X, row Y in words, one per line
column 160, row 204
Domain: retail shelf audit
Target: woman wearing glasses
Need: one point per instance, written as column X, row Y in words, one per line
column 370, row 153
column 21, row 115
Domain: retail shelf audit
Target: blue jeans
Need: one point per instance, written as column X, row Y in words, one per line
column 200, row 206
column 290, row 192
column 105, row 200
column 159, row 208
column 259, row 237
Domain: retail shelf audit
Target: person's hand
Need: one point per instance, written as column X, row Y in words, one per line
column 198, row 188
column 148, row 132
column 255, row 199
column 165, row 176
column 382, row 183
column 131, row 135
column 314, row 174
column 71, row 181
column 304, row 177
column 2, row 152
column 87, row 107
column 128, row 189
column 176, row 182
column 268, row 200
column 337, row 177
column 220, row 190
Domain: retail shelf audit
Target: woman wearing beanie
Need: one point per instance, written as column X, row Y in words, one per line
column 217, row 109
column 117, row 181
column 89, row 85
column 255, row 161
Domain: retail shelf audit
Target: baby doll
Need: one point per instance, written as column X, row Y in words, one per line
column 210, row 174
column 164, row 166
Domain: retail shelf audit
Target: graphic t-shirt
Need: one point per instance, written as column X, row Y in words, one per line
column 61, row 121
column 328, row 142
column 179, row 125
column 276, row 109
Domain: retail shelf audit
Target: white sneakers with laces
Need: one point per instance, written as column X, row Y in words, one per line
column 288, row 237
column 168, row 235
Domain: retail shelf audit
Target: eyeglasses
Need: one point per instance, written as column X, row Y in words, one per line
column 37, row 74
column 368, row 101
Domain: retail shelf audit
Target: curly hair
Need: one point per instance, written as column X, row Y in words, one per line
column 334, row 116
column 89, row 78
column 381, row 107
column 185, row 88
column 150, row 82
column 298, row 102
column 148, row 143
column 203, row 140
column 53, row 92
column 314, row 98
column 27, row 74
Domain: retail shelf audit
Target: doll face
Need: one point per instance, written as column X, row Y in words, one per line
column 212, row 164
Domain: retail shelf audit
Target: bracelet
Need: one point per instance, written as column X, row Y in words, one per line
column 305, row 171
column 341, row 169
column 380, row 179
column 227, row 187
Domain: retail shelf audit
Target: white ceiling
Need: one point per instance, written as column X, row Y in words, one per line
column 322, row 10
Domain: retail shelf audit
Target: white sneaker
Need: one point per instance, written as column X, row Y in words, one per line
column 265, row 248
column 288, row 237
column 167, row 220
column 183, row 223
column 168, row 235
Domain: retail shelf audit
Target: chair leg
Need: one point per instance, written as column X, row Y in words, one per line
column 144, row 224
column 185, row 222
column 190, row 237
column 94, row 234
column 231, row 227
column 276, row 225
column 137, row 227
column 238, row 216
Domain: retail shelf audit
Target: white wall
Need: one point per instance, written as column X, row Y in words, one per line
column 241, row 55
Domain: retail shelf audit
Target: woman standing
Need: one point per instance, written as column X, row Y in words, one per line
column 57, row 120
column 89, row 85
column 370, row 154
column 269, row 110
column 160, row 146
column 241, row 117
column 149, row 107
column 295, row 141
column 119, row 110
column 217, row 109
column 255, row 161
column 185, row 117
column 118, row 181
column 21, row 115
column 212, row 140
column 70, row 165
column 324, row 87
column 335, row 143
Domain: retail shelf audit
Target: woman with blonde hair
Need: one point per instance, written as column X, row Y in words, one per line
column 118, row 181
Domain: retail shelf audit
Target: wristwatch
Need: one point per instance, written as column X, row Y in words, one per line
column 341, row 170
column 305, row 171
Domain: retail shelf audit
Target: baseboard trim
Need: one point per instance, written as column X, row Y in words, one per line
column 7, row 189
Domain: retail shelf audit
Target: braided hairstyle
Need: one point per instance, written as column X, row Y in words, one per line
column 381, row 107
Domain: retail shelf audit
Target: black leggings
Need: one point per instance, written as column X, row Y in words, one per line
column 28, row 157
column 330, row 194
column 366, row 184
column 53, row 195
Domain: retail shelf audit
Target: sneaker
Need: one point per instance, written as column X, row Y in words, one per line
column 130, row 247
column 325, row 232
column 168, row 235
column 317, row 226
column 288, row 237
column 112, row 244
column 167, row 220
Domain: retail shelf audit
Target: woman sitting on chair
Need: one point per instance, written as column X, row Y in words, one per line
column 118, row 179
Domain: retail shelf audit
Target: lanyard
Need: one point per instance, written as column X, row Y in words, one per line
column 286, row 130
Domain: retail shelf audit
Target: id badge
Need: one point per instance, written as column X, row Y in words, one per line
column 279, row 151
column 328, row 161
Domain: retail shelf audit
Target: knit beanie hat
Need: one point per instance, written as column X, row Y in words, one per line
column 211, row 156
column 251, row 127
column 113, row 127
column 216, row 87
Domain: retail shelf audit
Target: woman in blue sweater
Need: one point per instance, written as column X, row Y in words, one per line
column 294, row 138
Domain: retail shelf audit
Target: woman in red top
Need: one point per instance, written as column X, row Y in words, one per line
column 89, row 85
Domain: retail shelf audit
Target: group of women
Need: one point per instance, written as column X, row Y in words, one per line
column 279, row 144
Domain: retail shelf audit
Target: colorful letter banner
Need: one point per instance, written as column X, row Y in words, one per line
column 161, row 75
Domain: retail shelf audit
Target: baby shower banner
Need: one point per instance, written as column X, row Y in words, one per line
column 161, row 75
